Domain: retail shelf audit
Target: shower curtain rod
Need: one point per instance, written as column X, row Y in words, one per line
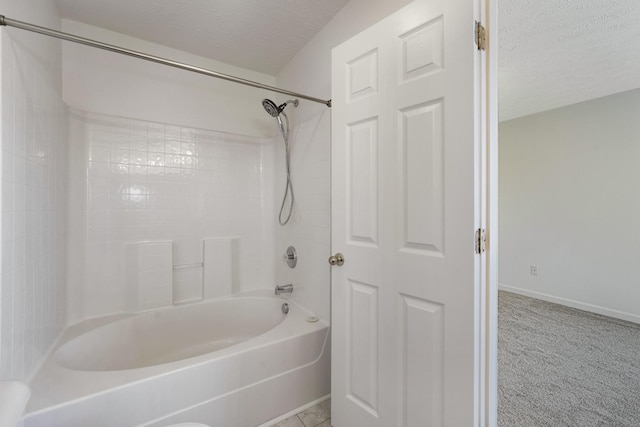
column 4, row 21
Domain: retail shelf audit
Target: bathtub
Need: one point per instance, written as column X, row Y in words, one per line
column 237, row 361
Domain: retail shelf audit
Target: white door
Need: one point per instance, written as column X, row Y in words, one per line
column 406, row 201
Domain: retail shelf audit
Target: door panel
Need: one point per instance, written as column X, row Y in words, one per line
column 362, row 184
column 422, row 362
column 363, row 346
column 421, row 151
column 405, row 143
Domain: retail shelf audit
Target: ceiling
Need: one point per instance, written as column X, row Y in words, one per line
column 559, row 52
column 552, row 52
column 260, row 35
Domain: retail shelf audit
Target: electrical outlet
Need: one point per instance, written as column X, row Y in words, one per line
column 533, row 270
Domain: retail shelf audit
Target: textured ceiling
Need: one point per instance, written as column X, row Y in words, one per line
column 558, row 52
column 260, row 35
column 552, row 52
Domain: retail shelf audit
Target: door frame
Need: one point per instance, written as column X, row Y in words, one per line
column 490, row 189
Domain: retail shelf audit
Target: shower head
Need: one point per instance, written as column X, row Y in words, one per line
column 273, row 109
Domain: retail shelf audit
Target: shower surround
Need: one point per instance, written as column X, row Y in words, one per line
column 137, row 181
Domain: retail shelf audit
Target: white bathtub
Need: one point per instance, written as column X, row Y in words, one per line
column 232, row 362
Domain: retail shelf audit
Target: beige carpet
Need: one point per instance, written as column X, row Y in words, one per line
column 559, row 366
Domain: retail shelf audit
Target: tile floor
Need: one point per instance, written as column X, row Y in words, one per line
column 316, row 416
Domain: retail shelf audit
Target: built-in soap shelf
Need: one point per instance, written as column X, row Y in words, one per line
column 188, row 283
column 155, row 281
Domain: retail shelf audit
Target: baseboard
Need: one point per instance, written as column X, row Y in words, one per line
column 572, row 303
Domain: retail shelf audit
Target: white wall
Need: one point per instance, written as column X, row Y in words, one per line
column 310, row 229
column 33, row 190
column 136, row 181
column 108, row 83
column 570, row 204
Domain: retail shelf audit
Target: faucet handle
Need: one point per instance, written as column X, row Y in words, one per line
column 280, row 289
column 290, row 257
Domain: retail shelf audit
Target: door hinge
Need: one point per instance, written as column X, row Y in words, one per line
column 481, row 36
column 481, row 240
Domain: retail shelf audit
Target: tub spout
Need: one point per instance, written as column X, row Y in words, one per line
column 281, row 289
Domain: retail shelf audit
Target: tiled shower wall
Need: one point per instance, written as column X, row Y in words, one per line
column 135, row 181
column 33, row 203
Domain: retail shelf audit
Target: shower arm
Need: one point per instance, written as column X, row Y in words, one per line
column 4, row 21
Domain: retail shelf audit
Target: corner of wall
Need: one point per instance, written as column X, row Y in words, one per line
column 34, row 190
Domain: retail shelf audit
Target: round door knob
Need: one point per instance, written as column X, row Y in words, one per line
column 337, row 259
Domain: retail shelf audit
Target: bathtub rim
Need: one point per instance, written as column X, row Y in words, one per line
column 56, row 356
column 138, row 375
